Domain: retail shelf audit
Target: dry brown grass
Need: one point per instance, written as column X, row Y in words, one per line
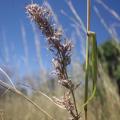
column 104, row 107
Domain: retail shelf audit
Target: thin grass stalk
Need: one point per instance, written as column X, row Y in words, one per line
column 39, row 55
column 87, row 58
column 107, row 27
column 25, row 47
column 43, row 94
column 7, row 76
column 102, row 21
column 70, row 5
column 6, row 49
column 86, row 78
column 110, row 10
column 38, row 47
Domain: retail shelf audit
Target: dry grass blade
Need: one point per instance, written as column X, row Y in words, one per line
column 102, row 20
column 110, row 30
column 38, row 47
column 4, row 92
column 76, row 15
column 25, row 46
column 8, row 77
column 40, row 92
column 5, row 85
column 110, row 10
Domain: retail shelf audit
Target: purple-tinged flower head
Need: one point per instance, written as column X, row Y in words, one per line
column 42, row 16
column 65, row 102
column 61, row 48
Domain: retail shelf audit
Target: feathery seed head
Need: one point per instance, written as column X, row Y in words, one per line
column 42, row 16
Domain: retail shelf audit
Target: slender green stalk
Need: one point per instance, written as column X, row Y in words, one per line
column 94, row 59
column 87, row 58
column 86, row 78
column 91, row 43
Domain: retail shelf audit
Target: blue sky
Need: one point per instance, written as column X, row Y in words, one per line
column 13, row 17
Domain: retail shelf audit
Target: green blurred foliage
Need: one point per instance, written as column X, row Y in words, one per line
column 109, row 56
